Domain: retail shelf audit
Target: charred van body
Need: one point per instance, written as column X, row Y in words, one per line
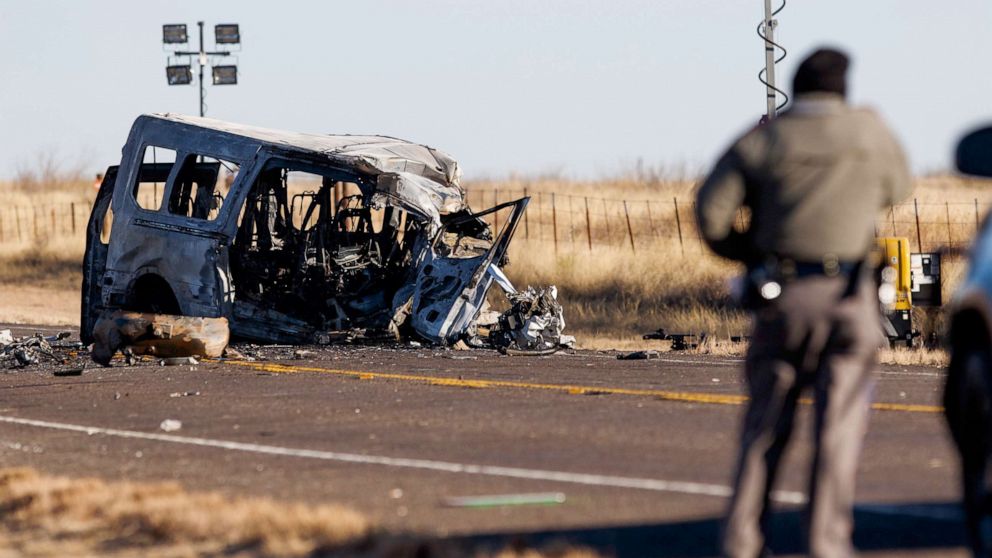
column 291, row 236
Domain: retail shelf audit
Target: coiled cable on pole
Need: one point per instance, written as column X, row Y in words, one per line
column 764, row 36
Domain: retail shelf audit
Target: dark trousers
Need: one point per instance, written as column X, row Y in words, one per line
column 823, row 334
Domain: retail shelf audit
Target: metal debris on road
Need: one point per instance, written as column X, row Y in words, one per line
column 234, row 354
column 499, row 500
column 130, row 359
column 639, row 355
column 24, row 351
column 537, row 352
column 178, row 361
column 25, row 356
column 534, row 323
column 170, row 425
column 159, row 335
column 680, row 341
column 59, row 337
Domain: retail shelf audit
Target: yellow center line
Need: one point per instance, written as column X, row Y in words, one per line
column 666, row 395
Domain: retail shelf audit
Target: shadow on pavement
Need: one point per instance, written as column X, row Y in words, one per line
column 889, row 527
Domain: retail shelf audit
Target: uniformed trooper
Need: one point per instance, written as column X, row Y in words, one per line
column 814, row 181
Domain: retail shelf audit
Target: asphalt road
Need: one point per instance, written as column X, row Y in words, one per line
column 642, row 450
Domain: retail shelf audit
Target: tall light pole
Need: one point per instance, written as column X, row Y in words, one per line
column 181, row 74
column 766, row 30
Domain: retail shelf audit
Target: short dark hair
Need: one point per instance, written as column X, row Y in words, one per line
column 824, row 70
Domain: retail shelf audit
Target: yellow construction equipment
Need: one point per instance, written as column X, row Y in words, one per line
column 896, row 290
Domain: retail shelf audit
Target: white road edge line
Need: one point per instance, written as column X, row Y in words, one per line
column 724, row 362
column 916, row 374
column 694, row 488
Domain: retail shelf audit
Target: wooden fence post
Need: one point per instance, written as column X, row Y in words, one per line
column 72, row 210
column 919, row 239
column 947, row 209
column 495, row 213
column 571, row 222
column 526, row 224
column 17, row 216
column 678, row 224
column 540, row 212
column 54, row 228
column 606, row 218
column 554, row 221
column 588, row 225
column 630, row 231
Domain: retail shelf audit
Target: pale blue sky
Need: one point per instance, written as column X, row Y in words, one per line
column 580, row 87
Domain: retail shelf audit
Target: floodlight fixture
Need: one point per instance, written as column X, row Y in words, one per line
column 225, row 75
column 179, row 70
column 174, row 33
column 227, row 34
column 180, row 74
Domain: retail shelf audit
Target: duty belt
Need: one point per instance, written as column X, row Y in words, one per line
column 764, row 283
column 807, row 269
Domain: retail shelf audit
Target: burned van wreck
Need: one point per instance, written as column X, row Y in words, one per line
column 294, row 238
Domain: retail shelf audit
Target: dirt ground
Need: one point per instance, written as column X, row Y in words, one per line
column 27, row 304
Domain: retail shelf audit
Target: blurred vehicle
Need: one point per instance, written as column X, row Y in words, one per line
column 968, row 392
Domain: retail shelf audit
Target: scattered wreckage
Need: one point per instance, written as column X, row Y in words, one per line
column 24, row 351
column 282, row 237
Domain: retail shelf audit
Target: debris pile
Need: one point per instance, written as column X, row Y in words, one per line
column 25, row 351
column 639, row 355
column 175, row 339
column 533, row 324
column 680, row 341
column 170, row 425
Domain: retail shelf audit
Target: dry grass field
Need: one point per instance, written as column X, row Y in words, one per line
column 622, row 269
column 58, row 516
column 41, row 281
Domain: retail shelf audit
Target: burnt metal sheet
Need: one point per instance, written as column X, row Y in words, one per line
column 158, row 335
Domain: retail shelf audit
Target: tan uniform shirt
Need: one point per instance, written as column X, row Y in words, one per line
column 815, row 180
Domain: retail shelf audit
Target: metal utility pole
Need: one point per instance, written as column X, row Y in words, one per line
column 203, row 62
column 770, row 24
column 178, row 74
column 766, row 30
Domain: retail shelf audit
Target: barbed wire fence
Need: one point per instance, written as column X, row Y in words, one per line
column 40, row 221
column 571, row 222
